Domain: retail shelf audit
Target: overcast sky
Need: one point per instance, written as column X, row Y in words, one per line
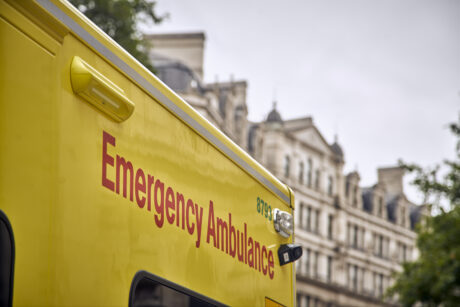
column 384, row 74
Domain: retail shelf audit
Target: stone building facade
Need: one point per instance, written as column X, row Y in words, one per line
column 354, row 238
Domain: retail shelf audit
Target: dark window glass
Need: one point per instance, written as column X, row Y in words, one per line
column 330, row 226
column 301, row 174
column 6, row 261
column 329, row 268
column 152, row 291
column 355, row 236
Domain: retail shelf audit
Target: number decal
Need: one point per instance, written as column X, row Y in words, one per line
column 264, row 209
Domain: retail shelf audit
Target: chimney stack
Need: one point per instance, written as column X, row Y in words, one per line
column 392, row 178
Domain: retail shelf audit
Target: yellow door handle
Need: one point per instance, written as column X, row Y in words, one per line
column 99, row 91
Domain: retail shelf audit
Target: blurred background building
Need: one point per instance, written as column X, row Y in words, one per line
column 353, row 237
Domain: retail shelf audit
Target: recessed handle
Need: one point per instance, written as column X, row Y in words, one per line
column 99, row 91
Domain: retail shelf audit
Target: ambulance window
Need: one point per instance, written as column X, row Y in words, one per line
column 6, row 261
column 148, row 290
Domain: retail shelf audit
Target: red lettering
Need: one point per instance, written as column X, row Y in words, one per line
column 232, row 236
column 180, row 200
column 221, row 228
column 159, row 206
column 199, row 223
column 240, row 247
column 127, row 166
column 228, row 238
column 271, row 265
column 211, row 225
column 107, row 159
column 264, row 256
column 245, row 243
column 140, row 187
column 250, row 254
column 256, row 255
column 150, row 181
column 191, row 227
column 170, row 204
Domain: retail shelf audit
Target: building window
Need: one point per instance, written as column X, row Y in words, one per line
column 307, row 261
column 355, row 196
column 380, row 207
column 330, row 228
column 403, row 216
column 330, row 183
column 301, row 173
column 309, row 173
column 353, row 277
column 287, row 166
column 315, row 264
column 308, row 219
column 349, row 235
column 361, row 283
column 317, row 179
column 380, row 245
column 380, row 285
column 355, row 236
column 402, row 252
column 404, row 247
column 315, row 221
column 329, row 268
column 300, row 215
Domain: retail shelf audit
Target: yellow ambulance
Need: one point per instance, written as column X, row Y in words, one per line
column 114, row 191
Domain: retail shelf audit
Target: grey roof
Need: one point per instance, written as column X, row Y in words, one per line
column 175, row 74
column 337, row 149
column 274, row 116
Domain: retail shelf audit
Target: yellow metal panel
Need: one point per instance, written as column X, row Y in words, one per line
column 104, row 43
column 80, row 239
column 27, row 153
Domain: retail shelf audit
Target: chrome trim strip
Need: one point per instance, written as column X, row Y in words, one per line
column 128, row 70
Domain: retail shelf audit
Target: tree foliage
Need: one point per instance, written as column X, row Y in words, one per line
column 120, row 20
column 434, row 278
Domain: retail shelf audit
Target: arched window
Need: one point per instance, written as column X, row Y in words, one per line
column 287, row 166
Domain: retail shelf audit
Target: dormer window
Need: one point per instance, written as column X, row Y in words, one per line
column 355, row 196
